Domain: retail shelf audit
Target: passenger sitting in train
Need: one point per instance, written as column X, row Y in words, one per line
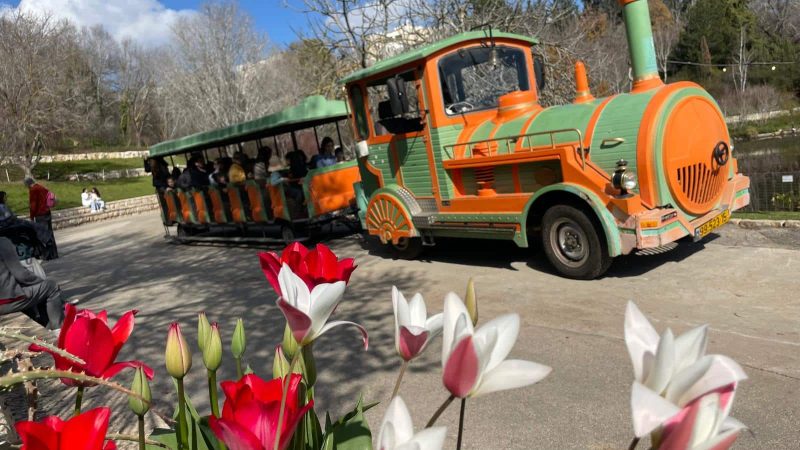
column 170, row 184
column 276, row 171
column 216, row 177
column 195, row 175
column 263, row 159
column 160, row 171
column 339, row 153
column 236, row 174
column 325, row 157
column 297, row 171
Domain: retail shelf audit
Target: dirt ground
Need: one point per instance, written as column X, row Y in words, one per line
column 744, row 283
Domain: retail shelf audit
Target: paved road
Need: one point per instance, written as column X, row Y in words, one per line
column 743, row 282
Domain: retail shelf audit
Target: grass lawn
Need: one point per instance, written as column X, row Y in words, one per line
column 69, row 192
column 768, row 215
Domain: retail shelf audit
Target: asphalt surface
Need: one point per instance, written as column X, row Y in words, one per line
column 744, row 283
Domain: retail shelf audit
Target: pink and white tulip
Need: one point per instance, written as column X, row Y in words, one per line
column 675, row 369
column 397, row 431
column 474, row 361
column 413, row 329
column 307, row 312
column 702, row 425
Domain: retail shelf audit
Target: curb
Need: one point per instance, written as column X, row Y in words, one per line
column 752, row 224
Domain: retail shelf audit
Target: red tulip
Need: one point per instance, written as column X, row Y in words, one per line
column 87, row 336
column 315, row 267
column 86, row 431
column 250, row 413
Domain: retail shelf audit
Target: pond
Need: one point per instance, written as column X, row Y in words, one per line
column 768, row 155
column 773, row 166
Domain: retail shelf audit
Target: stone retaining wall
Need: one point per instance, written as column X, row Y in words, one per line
column 71, row 217
column 98, row 155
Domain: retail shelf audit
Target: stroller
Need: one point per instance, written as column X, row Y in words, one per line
column 25, row 238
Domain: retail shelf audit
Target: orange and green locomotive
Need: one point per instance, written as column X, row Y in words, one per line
column 454, row 143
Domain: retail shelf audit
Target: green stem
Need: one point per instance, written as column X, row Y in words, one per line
column 284, row 394
column 461, row 422
column 634, row 443
column 239, row 372
column 212, row 392
column 142, row 444
column 78, row 400
column 440, row 411
column 403, row 368
column 180, row 428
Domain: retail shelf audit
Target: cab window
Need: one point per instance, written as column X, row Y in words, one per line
column 472, row 79
column 401, row 117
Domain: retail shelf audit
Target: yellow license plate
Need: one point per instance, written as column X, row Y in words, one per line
column 718, row 221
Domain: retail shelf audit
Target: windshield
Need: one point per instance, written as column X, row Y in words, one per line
column 472, row 80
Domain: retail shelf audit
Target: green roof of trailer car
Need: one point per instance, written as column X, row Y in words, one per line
column 427, row 50
column 312, row 111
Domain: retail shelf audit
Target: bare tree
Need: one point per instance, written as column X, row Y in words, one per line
column 666, row 31
column 742, row 58
column 350, row 27
column 137, row 90
column 220, row 70
column 43, row 86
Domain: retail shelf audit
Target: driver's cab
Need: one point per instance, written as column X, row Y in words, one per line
column 407, row 108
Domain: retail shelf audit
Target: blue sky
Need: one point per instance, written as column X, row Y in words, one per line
column 149, row 20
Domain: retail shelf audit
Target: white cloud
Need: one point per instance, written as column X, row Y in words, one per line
column 147, row 21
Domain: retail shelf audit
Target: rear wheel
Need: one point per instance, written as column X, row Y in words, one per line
column 573, row 243
column 287, row 234
column 406, row 248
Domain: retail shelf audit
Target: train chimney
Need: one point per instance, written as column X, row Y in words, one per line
column 582, row 92
column 642, row 50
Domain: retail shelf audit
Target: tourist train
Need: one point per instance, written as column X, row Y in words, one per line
column 451, row 141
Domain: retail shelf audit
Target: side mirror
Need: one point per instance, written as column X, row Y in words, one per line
column 538, row 71
column 398, row 100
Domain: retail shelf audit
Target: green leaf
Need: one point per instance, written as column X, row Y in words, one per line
column 351, row 432
column 308, row 434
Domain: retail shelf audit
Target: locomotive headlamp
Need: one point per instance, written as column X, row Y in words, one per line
column 623, row 179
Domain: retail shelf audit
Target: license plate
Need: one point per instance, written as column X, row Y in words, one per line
column 716, row 222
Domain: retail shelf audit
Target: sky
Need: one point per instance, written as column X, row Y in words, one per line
column 148, row 21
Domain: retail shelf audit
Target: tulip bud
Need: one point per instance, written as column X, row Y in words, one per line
column 212, row 350
column 178, row 356
column 289, row 344
column 280, row 367
column 140, row 387
column 238, row 343
column 471, row 302
column 203, row 328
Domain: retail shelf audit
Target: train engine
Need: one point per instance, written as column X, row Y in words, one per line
column 455, row 143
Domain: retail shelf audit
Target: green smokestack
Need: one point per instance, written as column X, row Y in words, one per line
column 636, row 14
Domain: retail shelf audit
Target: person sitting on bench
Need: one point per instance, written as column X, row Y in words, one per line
column 22, row 290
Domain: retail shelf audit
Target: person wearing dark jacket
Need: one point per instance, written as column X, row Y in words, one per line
column 22, row 290
column 40, row 214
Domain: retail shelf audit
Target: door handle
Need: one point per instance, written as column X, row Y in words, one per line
column 611, row 142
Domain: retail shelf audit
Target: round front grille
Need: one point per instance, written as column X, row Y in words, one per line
column 693, row 131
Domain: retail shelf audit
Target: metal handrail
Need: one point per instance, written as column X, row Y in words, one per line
column 450, row 149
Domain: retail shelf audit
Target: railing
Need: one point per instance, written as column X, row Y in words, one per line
column 509, row 140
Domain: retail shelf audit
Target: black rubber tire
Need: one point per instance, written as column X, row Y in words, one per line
column 287, row 234
column 585, row 254
column 407, row 248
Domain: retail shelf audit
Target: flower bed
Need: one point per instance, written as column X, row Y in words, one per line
column 680, row 396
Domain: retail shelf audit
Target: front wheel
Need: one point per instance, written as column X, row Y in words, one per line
column 573, row 244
